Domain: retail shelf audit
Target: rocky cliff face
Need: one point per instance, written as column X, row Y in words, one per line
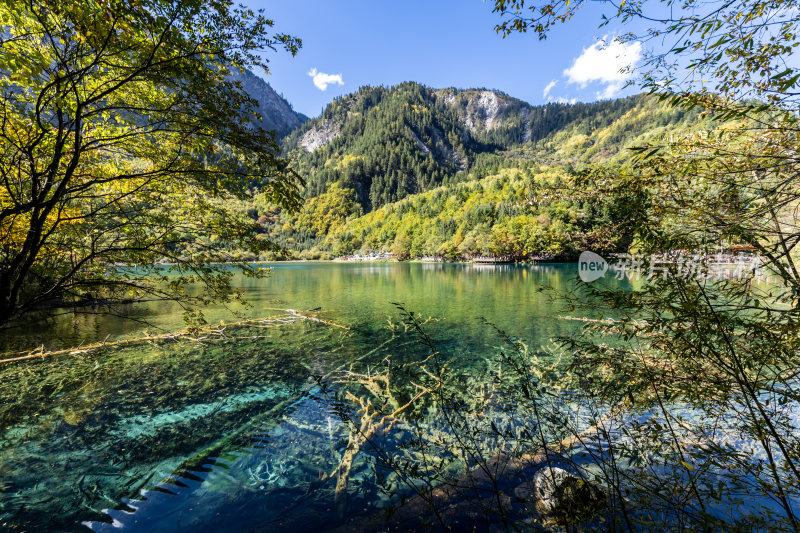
column 320, row 135
column 481, row 110
column 276, row 113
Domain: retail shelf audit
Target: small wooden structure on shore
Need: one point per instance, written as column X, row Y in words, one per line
column 493, row 259
column 740, row 249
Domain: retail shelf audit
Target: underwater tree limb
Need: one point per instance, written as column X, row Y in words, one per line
column 217, row 331
column 379, row 386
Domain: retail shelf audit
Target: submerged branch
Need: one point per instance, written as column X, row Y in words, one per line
column 217, row 331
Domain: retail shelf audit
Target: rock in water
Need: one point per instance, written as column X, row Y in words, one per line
column 565, row 498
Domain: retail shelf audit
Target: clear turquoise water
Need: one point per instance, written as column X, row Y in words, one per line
column 353, row 293
column 234, row 434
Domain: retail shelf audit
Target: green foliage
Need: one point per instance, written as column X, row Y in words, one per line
column 327, row 212
column 704, row 371
column 124, row 141
column 520, row 213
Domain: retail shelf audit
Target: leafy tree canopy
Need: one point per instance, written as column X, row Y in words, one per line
column 700, row 50
column 709, row 361
column 122, row 140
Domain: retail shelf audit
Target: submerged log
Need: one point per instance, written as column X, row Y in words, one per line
column 217, row 331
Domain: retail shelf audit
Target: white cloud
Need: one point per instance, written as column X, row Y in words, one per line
column 322, row 80
column 606, row 62
column 549, row 88
column 611, row 90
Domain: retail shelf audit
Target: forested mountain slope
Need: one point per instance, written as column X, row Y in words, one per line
column 524, row 212
column 456, row 173
column 518, row 212
column 388, row 143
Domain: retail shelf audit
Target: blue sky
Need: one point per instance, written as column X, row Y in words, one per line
column 440, row 43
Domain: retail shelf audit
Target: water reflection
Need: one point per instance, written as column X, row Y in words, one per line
column 349, row 292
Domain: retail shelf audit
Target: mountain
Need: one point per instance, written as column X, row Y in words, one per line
column 389, row 143
column 385, row 143
column 522, row 212
column 276, row 113
column 455, row 173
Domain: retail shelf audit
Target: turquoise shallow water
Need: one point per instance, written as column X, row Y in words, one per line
column 244, row 430
column 238, row 433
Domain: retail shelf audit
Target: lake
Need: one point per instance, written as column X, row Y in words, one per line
column 354, row 293
column 241, row 429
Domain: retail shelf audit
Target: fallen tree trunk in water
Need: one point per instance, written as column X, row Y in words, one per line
column 216, row 331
